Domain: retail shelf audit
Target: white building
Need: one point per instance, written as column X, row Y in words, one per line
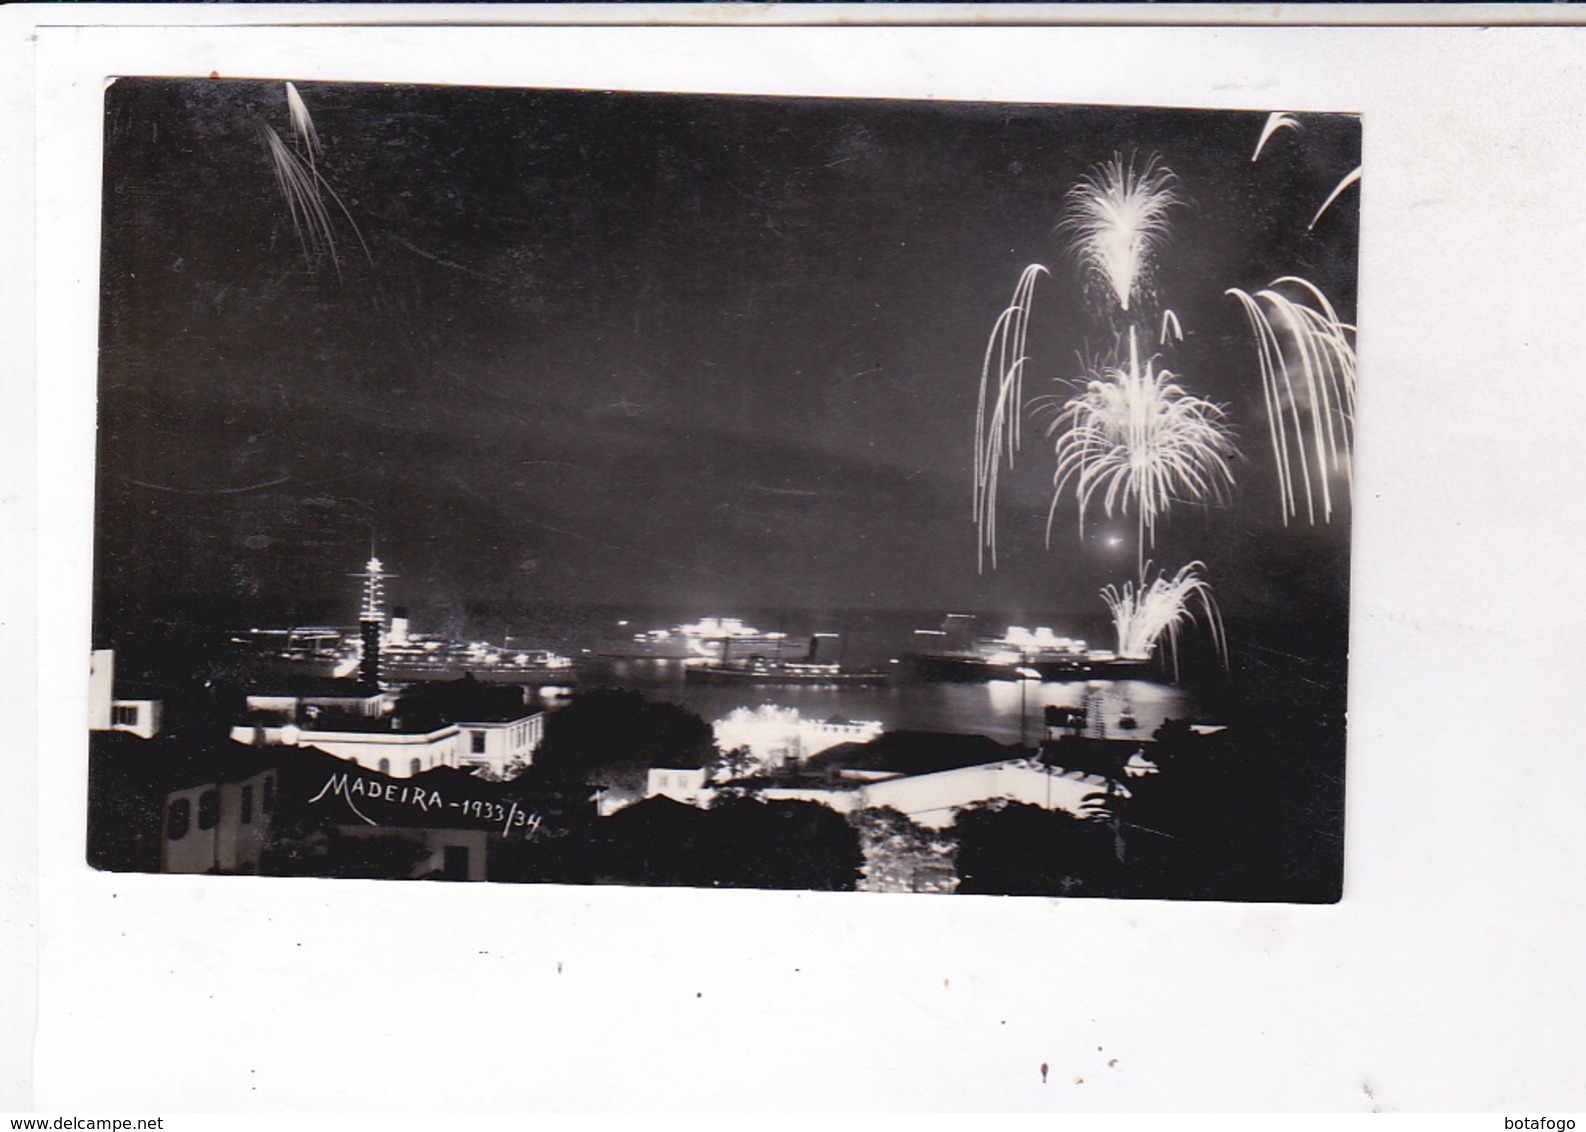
column 385, row 749
column 383, row 745
column 681, row 784
column 218, row 826
column 221, row 822
column 931, row 800
column 141, row 717
column 461, row 724
column 496, row 745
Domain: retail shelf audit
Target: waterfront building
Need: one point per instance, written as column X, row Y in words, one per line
column 776, row 736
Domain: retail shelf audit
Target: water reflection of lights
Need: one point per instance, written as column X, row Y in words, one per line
column 1146, row 702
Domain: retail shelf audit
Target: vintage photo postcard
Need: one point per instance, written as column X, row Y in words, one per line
column 579, row 487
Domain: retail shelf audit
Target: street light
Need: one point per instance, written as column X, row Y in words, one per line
column 1025, row 674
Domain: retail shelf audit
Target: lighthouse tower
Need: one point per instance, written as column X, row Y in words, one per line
column 371, row 620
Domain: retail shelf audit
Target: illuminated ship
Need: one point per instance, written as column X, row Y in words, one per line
column 756, row 668
column 955, row 652
column 382, row 654
column 706, row 640
column 423, row 657
column 760, row 670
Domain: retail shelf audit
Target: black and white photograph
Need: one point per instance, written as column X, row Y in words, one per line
column 644, row 488
column 857, row 527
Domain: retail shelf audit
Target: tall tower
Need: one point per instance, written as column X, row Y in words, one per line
column 371, row 620
column 1095, row 702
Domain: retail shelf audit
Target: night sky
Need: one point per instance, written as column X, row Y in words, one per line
column 640, row 349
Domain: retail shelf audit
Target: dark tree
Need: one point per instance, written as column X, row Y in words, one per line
column 901, row 855
column 565, row 845
column 1173, row 738
column 782, row 844
column 1229, row 817
column 1022, row 850
column 125, row 804
column 658, row 841
column 611, row 738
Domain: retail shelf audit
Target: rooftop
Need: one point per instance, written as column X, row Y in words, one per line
column 915, row 752
column 305, row 686
column 465, row 699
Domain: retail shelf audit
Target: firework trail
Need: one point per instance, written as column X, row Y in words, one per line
column 1170, row 328
column 997, row 418
column 1307, row 360
column 1145, row 612
column 1134, row 437
column 301, row 184
column 1275, row 122
column 1117, row 218
column 303, row 131
column 1349, row 179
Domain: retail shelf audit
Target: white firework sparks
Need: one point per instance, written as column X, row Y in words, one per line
column 1134, row 437
column 1144, row 613
column 1117, row 217
column 1307, row 360
column 1170, row 329
column 1275, row 121
column 1350, row 178
column 302, row 124
column 302, row 184
column 1001, row 404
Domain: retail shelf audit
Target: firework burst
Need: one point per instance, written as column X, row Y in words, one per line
column 1135, row 438
column 1307, row 360
column 997, row 419
column 1144, row 613
column 1117, row 219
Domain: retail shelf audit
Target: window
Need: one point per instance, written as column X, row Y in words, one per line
column 385, row 766
column 268, row 802
column 247, row 804
column 208, row 809
column 478, row 742
column 415, row 766
column 123, row 715
column 178, row 818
